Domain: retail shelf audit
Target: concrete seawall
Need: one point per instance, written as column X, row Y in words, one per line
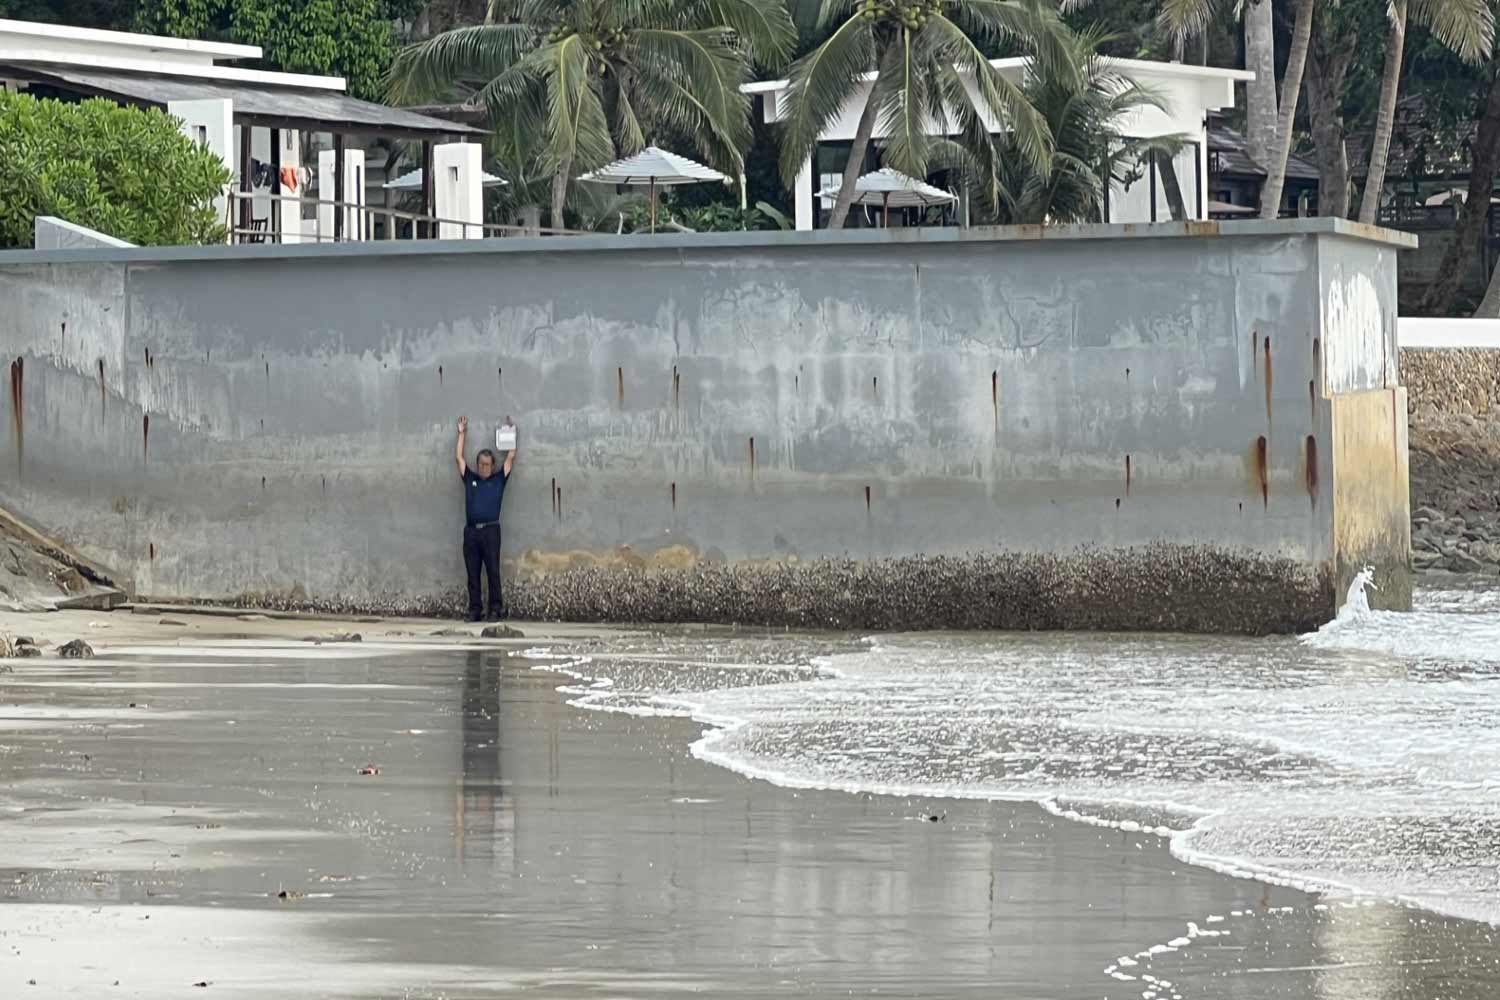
column 1164, row 427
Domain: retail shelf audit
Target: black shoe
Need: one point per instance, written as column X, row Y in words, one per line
column 473, row 616
column 496, row 615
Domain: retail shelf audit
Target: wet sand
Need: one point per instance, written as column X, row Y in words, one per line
column 155, row 804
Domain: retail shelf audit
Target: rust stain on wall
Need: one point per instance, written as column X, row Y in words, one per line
column 150, row 362
column 500, row 378
column 1310, row 467
column 1127, row 475
column 1260, row 461
column 1312, row 399
column 673, row 489
column 1268, row 378
column 103, row 394
column 64, row 347
column 145, row 436
column 151, row 551
column 676, row 388
column 440, row 374
column 555, row 511
column 752, row 457
column 875, row 387
column 867, row 499
column 620, row 387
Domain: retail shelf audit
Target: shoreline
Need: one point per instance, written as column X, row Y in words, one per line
column 1244, row 904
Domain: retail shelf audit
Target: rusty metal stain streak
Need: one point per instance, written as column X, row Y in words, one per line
column 1268, row 378
column 1127, row 475
column 145, row 436
column 1262, row 469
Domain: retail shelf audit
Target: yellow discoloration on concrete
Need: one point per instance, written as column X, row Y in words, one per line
column 1371, row 493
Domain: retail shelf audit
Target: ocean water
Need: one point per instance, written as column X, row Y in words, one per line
column 1361, row 761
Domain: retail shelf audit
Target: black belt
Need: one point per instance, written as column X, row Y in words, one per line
column 486, row 524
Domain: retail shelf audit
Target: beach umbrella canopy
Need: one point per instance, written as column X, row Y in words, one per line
column 413, row 181
column 654, row 167
column 890, row 189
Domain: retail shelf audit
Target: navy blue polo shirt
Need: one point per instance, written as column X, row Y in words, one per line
column 482, row 496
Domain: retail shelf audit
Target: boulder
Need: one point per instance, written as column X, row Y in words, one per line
column 75, row 650
column 501, row 632
column 1462, row 562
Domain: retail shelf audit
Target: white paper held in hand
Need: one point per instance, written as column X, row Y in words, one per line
column 505, row 437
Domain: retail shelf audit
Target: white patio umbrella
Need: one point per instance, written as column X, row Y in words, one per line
column 890, row 188
column 413, row 181
column 653, row 167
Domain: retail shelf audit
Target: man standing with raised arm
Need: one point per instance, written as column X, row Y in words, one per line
column 484, row 488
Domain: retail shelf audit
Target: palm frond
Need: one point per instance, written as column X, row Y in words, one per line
column 432, row 67
column 1467, row 27
column 822, row 82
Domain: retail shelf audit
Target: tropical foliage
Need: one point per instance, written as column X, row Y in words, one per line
column 933, row 63
column 348, row 38
column 1083, row 102
column 585, row 82
column 124, row 171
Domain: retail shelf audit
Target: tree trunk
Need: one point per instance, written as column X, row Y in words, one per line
column 857, row 150
column 1385, row 116
column 1471, row 217
column 1325, row 86
column 1170, row 187
column 1489, row 308
column 1260, row 93
column 1291, row 90
column 560, row 191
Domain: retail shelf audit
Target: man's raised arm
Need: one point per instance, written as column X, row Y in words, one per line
column 458, row 449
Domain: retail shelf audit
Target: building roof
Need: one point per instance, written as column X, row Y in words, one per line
column 1230, row 158
column 256, row 104
column 101, row 40
column 1420, row 148
column 1126, row 66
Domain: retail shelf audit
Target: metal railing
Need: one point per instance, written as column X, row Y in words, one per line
column 360, row 223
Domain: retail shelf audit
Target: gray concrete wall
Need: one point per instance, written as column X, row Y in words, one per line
column 918, row 427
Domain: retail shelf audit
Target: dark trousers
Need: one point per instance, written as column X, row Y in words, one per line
column 482, row 548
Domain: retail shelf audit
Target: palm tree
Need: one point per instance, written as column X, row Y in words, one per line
column 593, row 78
column 1465, row 26
column 1083, row 104
column 931, row 66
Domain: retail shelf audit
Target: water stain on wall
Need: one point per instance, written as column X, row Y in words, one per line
column 1310, row 467
column 18, row 409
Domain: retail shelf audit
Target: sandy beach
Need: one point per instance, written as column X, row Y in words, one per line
column 220, row 802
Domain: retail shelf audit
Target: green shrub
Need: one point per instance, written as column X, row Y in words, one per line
column 124, row 171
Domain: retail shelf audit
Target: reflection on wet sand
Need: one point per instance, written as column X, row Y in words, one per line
column 485, row 827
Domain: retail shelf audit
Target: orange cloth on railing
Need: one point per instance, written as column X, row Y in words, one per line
column 288, row 178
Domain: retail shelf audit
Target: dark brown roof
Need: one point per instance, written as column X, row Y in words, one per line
column 1229, row 158
column 258, row 104
column 1419, row 148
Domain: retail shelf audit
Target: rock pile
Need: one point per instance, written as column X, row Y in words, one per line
column 1454, row 437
